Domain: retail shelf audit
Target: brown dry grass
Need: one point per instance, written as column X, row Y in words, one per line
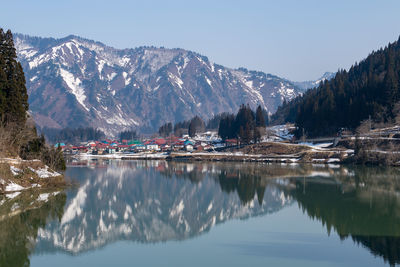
column 27, row 178
column 269, row 148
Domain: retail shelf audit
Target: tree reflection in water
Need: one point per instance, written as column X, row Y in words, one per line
column 20, row 219
column 363, row 207
column 356, row 202
column 232, row 178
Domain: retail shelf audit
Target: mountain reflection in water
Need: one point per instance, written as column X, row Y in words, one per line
column 158, row 201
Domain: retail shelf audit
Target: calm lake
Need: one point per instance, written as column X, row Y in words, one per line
column 158, row 213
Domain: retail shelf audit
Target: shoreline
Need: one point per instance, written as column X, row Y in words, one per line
column 274, row 152
column 217, row 156
column 19, row 175
column 269, row 152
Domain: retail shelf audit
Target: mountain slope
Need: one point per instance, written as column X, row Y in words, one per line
column 77, row 82
column 370, row 88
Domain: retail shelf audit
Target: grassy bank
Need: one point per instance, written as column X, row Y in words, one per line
column 18, row 175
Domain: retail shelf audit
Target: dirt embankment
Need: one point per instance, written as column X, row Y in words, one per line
column 274, row 148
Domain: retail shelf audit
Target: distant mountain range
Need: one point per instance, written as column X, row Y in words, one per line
column 311, row 84
column 76, row 82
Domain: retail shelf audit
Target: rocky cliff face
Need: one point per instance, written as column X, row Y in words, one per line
column 77, row 82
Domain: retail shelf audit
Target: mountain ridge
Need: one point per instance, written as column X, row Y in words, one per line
column 304, row 85
column 73, row 81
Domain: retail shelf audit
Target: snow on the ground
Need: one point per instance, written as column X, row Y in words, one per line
column 319, row 145
column 45, row 172
column 43, row 197
column 207, row 137
column 15, row 171
column 14, row 207
column 316, row 147
column 13, row 195
column 280, row 132
column 14, row 187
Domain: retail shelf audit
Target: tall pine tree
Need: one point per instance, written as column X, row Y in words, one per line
column 13, row 93
column 260, row 120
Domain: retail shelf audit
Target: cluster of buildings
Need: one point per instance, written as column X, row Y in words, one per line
column 208, row 141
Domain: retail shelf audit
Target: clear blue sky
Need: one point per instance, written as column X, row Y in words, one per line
column 296, row 39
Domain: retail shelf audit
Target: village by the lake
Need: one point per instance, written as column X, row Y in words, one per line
column 200, row 133
column 279, row 145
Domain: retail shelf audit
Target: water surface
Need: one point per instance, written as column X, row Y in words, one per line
column 157, row 213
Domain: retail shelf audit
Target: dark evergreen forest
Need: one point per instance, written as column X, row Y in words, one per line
column 369, row 88
column 247, row 125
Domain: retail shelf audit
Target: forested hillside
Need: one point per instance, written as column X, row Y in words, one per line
column 369, row 88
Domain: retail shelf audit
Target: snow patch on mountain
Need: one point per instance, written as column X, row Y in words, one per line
column 175, row 79
column 25, row 49
column 208, row 81
column 126, row 78
column 121, row 89
column 157, row 59
column 111, row 76
column 75, row 85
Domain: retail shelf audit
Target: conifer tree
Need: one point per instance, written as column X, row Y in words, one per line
column 260, row 121
column 226, row 127
column 196, row 125
column 13, row 95
column 245, row 123
column 165, row 129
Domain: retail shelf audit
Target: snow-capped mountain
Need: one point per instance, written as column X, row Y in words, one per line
column 78, row 82
column 311, row 84
column 150, row 202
